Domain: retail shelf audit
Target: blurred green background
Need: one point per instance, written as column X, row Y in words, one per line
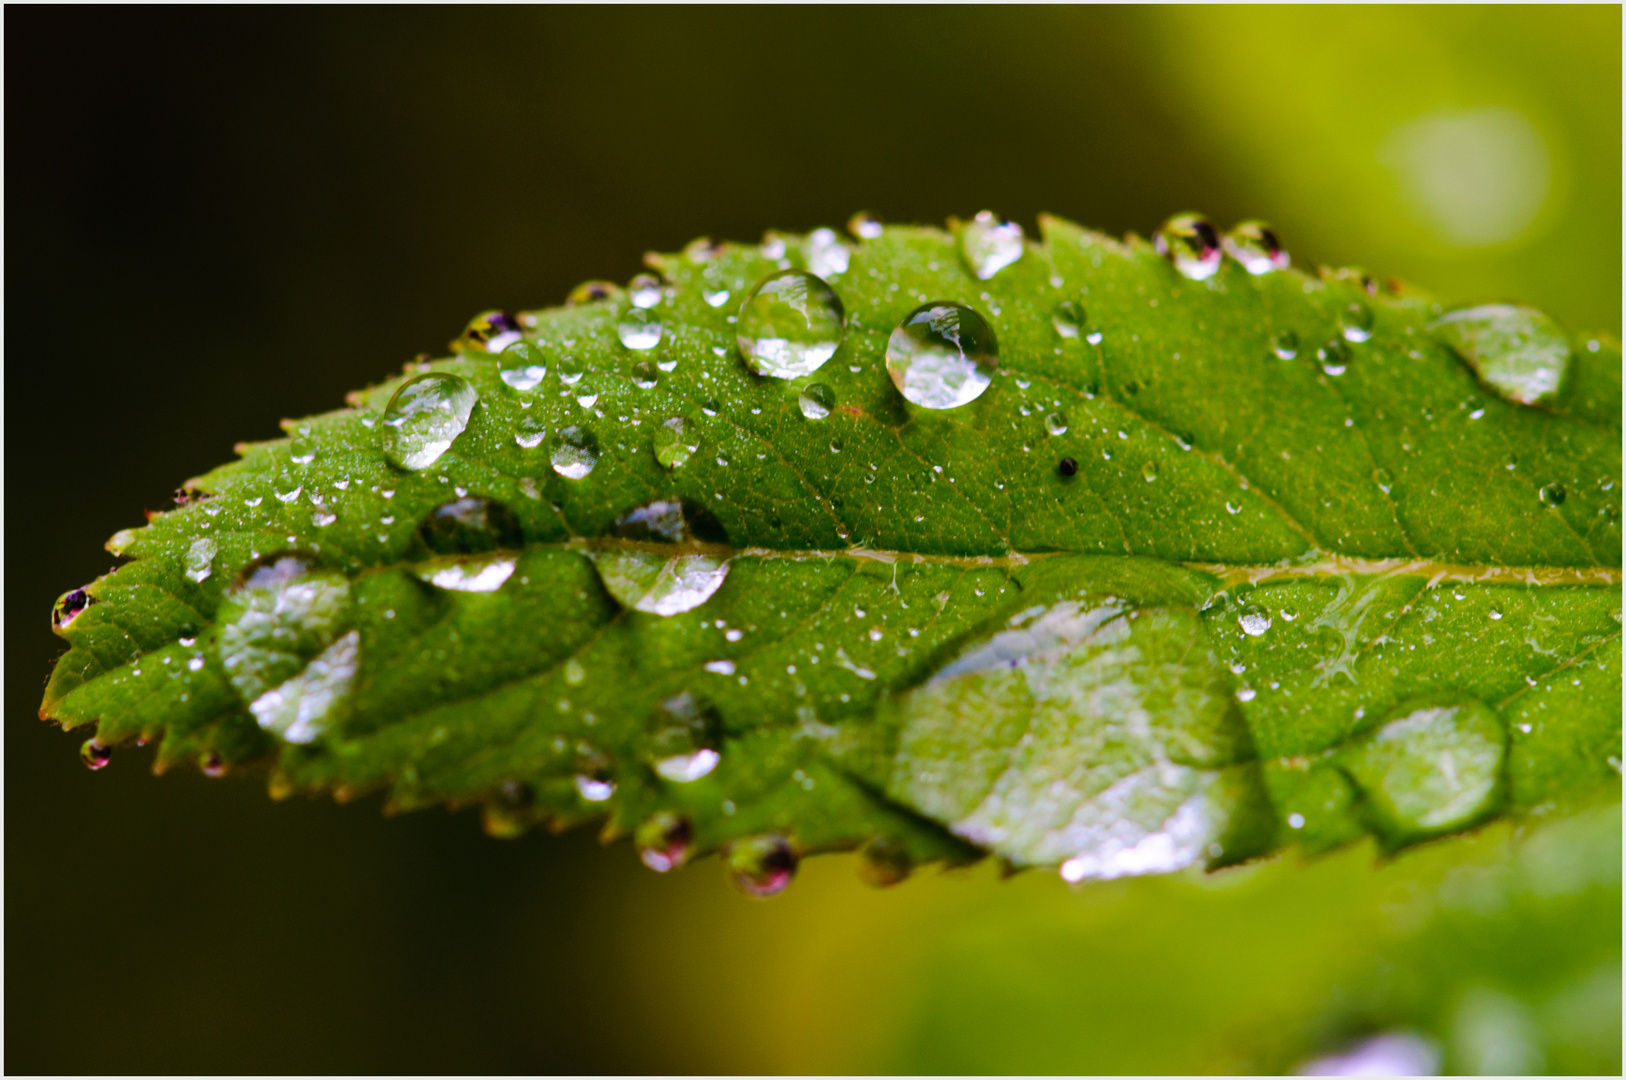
column 220, row 217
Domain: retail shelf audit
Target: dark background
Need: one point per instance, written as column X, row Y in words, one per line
column 218, row 218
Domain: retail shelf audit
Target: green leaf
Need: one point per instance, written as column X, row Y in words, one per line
column 1209, row 566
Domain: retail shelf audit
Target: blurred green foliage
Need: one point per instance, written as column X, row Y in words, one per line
column 259, row 210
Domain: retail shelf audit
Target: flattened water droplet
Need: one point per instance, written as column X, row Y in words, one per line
column 1068, row 319
column 762, row 866
column 575, row 453
column 883, row 862
column 989, row 243
column 645, row 375
column 674, row 444
column 199, row 558
column 816, row 401
column 790, row 324
column 645, row 291
column 523, row 366
column 942, row 355
column 468, row 573
column 640, row 329
column 1355, row 322
column 1285, row 345
column 423, row 418
column 664, row 841
column 824, row 253
column 1254, row 620
column 1056, row 424
column 1255, row 246
column 489, row 331
column 470, row 526
column 95, row 754
column 1190, row 243
column 1552, row 495
column 673, row 563
column 1516, row 351
column 1334, row 357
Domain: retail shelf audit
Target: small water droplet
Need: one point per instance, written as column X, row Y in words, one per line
column 1068, row 319
column 212, row 765
column 715, row 297
column 594, row 790
column 1285, row 345
column 470, row 526
column 1254, row 620
column 989, row 243
column 1255, row 245
column 1552, row 495
column 825, row 254
column 322, row 518
column 942, row 355
column 645, row 375
column 95, row 754
column 1067, row 466
column 1334, row 357
column 575, row 453
column 835, row 446
column 523, row 366
column 1355, row 322
column 865, row 226
column 1384, row 479
column 790, row 324
column 640, row 328
column 489, row 331
column 645, row 292
column 1056, row 424
column 423, row 418
column 592, row 292
column 674, row 444
column 301, row 451
column 1148, row 471
column 664, row 841
column 587, row 395
column 816, row 401
column 199, row 558
column 571, row 370
column 883, row 862
column 1190, row 243
column 529, row 431
column 762, row 866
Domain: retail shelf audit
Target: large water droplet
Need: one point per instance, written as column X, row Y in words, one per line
column 1552, row 495
column 816, row 401
column 684, row 739
column 1190, row 243
column 1432, row 766
column 645, row 291
column 95, row 754
column 575, row 453
column 1355, row 322
column 942, row 355
column 664, row 841
column 670, row 558
column 989, row 243
column 1255, row 246
column 1254, row 620
column 1516, row 351
column 883, row 862
column 489, row 331
column 762, row 866
column 1285, row 345
column 424, row 416
column 824, row 253
column 675, row 443
column 470, row 526
column 640, row 328
column 790, row 325
column 523, row 366
column 1068, row 319
column 68, row 607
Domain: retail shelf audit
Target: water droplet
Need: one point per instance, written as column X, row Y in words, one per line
column 1067, row 466
column 645, row 292
column 773, row 245
column 1285, row 345
column 212, row 765
column 816, row 401
column 301, row 451
column 470, row 526
column 423, row 418
column 645, row 375
column 1189, row 241
column 1552, row 495
column 989, row 243
column 1517, row 351
column 672, row 564
column 674, row 444
column 571, row 370
column 592, row 292
column 835, row 445
column 575, row 453
column 594, row 790
column 1334, row 357
column 1254, row 620
column 1056, row 424
column 68, row 606
column 1355, row 322
column 686, row 733
column 790, row 325
column 1432, row 766
column 762, row 866
column 640, row 328
column 1068, row 319
column 529, row 431
column 1255, row 246
column 489, row 331
column 865, row 226
column 1384, row 479
column 715, row 297
column 824, row 253
column 199, row 557
column 942, row 355
column 883, row 862
column 1148, row 471
column 587, row 395
column 664, row 841
column 523, row 366
column 95, row 754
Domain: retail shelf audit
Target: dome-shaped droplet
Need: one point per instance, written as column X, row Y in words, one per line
column 529, row 431
column 989, row 243
column 423, row 418
column 1255, row 246
column 575, row 452
column 664, row 841
column 523, row 366
column 675, row 443
column 865, row 226
column 1190, row 243
column 883, row 862
column 762, row 866
column 640, row 328
column 942, row 355
column 790, row 325
column 68, row 606
column 587, row 394
column 1285, row 345
column 1148, row 471
column 1516, row 351
column 489, row 331
column 95, row 754
column 1068, row 318
column 645, row 375
column 825, row 254
column 592, row 292
column 645, row 291
column 1431, row 767
column 1355, row 322
column 1334, row 357
column 684, row 739
column 470, row 526
column 816, row 400
column 571, row 370
column 1056, row 424
column 676, row 559
column 1552, row 495
column 1254, row 620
